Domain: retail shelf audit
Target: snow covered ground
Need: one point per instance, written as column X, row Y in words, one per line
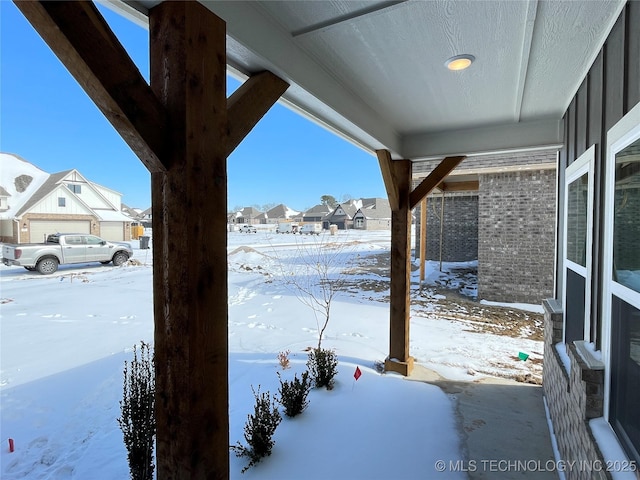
column 65, row 337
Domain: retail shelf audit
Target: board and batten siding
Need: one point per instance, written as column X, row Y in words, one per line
column 49, row 204
column 89, row 196
column 112, row 197
column 610, row 89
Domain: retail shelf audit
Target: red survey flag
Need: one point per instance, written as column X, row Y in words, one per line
column 357, row 373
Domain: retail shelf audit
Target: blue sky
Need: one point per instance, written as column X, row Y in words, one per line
column 46, row 118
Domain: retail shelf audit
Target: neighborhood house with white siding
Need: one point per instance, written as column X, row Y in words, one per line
column 34, row 204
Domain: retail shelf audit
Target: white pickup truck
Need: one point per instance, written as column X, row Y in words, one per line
column 65, row 248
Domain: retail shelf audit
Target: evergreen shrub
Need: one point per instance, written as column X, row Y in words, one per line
column 293, row 394
column 137, row 420
column 323, row 366
column 259, row 429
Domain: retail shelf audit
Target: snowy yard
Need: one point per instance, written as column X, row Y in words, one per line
column 65, row 337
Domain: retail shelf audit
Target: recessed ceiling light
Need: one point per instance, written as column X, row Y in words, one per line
column 459, row 62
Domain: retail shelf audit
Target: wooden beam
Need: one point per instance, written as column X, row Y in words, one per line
column 82, row 40
column 468, row 186
column 249, row 103
column 390, row 182
column 423, row 238
column 189, row 201
column 399, row 359
column 433, row 179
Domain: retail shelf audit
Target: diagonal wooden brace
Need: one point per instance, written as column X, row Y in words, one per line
column 82, row 40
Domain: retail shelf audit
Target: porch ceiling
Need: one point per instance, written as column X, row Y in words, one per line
column 374, row 71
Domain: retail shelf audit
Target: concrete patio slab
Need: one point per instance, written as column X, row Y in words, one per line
column 503, row 426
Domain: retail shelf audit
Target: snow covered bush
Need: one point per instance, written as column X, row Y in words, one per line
column 259, row 429
column 293, row 394
column 138, row 422
column 322, row 364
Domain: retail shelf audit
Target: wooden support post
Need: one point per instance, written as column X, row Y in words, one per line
column 189, row 201
column 423, row 238
column 182, row 129
column 397, row 178
column 441, row 227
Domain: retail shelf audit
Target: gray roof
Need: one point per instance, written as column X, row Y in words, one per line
column 249, row 212
column 319, row 209
column 130, row 211
column 371, row 207
column 349, row 209
column 3, row 192
column 280, row 211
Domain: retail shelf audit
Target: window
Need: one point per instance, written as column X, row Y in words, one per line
column 75, row 188
column 626, row 218
column 91, row 240
column 577, row 197
column 578, row 220
column 62, row 202
column 621, row 281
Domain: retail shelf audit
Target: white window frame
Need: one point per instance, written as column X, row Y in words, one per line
column 622, row 134
column 583, row 164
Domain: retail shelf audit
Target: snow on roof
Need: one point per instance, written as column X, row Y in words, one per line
column 291, row 212
column 111, row 216
column 18, row 174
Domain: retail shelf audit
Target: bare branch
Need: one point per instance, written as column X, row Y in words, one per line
column 316, row 276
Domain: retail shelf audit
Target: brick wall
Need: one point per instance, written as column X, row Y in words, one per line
column 460, row 234
column 516, row 235
column 573, row 399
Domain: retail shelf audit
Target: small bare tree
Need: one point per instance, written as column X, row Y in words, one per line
column 316, row 276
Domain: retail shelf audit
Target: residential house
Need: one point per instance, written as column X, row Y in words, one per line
column 375, row 214
column 342, row 215
column 134, row 213
column 146, row 218
column 137, row 225
column 499, row 210
column 316, row 213
column 232, row 218
column 250, row 216
column 281, row 213
column 39, row 204
column 4, row 199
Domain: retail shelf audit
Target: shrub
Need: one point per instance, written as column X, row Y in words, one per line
column 293, row 394
column 322, row 364
column 259, row 429
column 138, row 423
